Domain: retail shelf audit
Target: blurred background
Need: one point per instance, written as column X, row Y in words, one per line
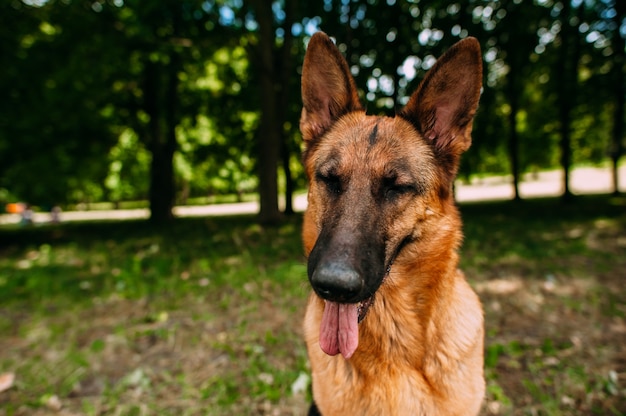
column 185, row 113
column 127, row 103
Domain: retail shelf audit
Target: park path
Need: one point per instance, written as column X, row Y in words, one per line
column 542, row 184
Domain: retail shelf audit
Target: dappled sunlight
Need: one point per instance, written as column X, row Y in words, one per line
column 500, row 287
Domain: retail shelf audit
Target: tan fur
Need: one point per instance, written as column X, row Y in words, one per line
column 420, row 346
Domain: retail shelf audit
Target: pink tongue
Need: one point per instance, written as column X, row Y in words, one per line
column 339, row 332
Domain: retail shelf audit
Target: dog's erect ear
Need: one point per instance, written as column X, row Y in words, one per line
column 328, row 89
column 443, row 107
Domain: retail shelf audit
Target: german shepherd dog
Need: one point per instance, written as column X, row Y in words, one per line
column 391, row 327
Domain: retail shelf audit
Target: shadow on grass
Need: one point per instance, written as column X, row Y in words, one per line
column 136, row 258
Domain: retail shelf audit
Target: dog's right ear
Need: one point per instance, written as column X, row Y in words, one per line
column 328, row 89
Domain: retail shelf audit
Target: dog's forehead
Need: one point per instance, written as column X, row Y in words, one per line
column 358, row 141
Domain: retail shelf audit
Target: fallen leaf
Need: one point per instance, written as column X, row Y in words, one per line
column 301, row 384
column 6, row 381
column 52, row 402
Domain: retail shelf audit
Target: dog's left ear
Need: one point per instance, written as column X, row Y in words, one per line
column 443, row 106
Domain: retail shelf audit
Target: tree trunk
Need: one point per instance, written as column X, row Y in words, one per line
column 268, row 136
column 160, row 102
column 161, row 184
column 567, row 67
column 619, row 59
column 285, row 69
column 513, row 92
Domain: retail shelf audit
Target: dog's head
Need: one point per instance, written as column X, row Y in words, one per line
column 377, row 184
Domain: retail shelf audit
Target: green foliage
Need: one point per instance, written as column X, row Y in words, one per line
column 129, row 163
column 53, row 126
column 87, row 105
column 216, row 153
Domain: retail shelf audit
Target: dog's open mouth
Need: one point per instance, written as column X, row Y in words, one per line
column 339, row 331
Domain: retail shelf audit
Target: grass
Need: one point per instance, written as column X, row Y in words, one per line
column 203, row 316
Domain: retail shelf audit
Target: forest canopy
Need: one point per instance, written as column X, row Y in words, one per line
column 167, row 100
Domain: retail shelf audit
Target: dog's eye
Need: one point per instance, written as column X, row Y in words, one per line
column 394, row 190
column 331, row 181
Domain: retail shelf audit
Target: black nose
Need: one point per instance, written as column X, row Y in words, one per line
column 337, row 282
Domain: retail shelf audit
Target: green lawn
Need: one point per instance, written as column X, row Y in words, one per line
column 203, row 316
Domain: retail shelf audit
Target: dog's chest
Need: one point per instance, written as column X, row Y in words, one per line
column 361, row 394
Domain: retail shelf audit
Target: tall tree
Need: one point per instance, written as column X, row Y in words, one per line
column 619, row 68
column 516, row 35
column 567, row 68
column 268, row 134
column 286, row 72
column 273, row 56
column 160, row 103
column 160, row 38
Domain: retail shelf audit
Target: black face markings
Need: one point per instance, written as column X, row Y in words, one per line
column 331, row 181
column 373, row 135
